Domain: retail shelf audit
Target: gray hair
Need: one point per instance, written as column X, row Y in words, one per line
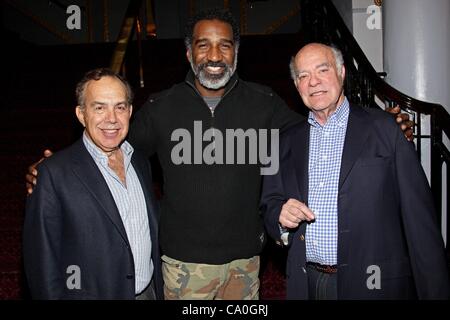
column 338, row 58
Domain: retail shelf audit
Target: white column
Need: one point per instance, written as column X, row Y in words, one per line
column 417, row 56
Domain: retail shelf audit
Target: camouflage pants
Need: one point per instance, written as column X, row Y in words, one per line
column 237, row 280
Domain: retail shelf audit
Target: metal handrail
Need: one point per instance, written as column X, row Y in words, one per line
column 130, row 23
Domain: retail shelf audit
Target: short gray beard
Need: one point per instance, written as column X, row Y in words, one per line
column 210, row 82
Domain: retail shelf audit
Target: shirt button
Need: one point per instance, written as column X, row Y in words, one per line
column 316, row 243
column 324, row 157
column 321, row 184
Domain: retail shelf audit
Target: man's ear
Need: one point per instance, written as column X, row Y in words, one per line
column 296, row 83
column 80, row 115
column 188, row 55
column 343, row 73
column 131, row 109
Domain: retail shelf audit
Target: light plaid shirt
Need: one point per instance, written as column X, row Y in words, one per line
column 130, row 202
column 325, row 154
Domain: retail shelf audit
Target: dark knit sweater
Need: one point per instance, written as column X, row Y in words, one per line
column 209, row 213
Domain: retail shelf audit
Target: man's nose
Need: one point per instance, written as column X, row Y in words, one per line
column 314, row 80
column 111, row 115
column 214, row 54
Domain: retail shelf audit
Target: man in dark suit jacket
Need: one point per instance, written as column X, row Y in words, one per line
column 351, row 199
column 91, row 224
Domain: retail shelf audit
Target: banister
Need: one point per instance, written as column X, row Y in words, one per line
column 126, row 32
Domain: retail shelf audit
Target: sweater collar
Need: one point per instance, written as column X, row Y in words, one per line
column 190, row 80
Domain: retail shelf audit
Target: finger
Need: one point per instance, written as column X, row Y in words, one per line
column 300, row 214
column 32, row 169
column 393, row 110
column 307, row 213
column 290, row 216
column 29, row 188
column 409, row 123
column 294, row 203
column 409, row 134
column 294, row 212
column 285, row 223
column 47, row 153
column 402, row 117
column 30, row 179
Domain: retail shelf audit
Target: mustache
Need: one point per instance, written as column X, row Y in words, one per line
column 212, row 64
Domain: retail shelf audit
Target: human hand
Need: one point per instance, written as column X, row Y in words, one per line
column 402, row 119
column 293, row 212
column 31, row 176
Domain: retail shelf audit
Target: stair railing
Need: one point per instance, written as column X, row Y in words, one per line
column 130, row 24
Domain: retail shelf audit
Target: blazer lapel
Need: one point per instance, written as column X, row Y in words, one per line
column 300, row 153
column 358, row 128
column 87, row 171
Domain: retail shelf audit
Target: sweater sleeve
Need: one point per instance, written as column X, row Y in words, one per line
column 283, row 117
column 142, row 134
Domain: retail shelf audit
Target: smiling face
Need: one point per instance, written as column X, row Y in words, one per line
column 212, row 56
column 105, row 113
column 318, row 80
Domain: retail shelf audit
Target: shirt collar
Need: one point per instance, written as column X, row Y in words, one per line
column 339, row 117
column 100, row 156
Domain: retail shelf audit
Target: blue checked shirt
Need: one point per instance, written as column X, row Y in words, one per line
column 130, row 202
column 325, row 154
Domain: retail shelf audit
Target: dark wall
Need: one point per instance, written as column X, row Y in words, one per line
column 26, row 17
column 21, row 16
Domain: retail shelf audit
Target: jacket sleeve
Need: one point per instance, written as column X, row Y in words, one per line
column 42, row 239
column 425, row 244
column 142, row 134
column 273, row 196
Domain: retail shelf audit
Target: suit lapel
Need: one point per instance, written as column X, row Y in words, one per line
column 300, row 153
column 358, row 128
column 87, row 171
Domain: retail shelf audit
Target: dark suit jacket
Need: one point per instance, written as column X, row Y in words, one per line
column 386, row 216
column 72, row 219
